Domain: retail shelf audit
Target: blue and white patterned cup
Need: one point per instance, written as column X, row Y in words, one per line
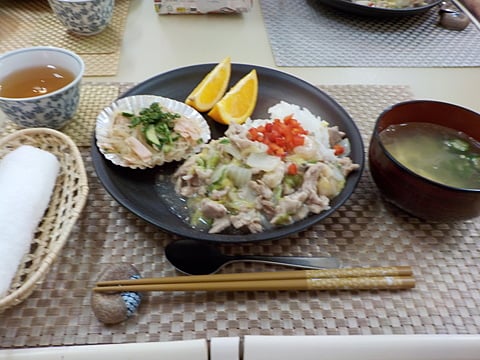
column 54, row 109
column 83, row 17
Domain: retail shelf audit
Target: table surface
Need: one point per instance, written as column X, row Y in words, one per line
column 153, row 44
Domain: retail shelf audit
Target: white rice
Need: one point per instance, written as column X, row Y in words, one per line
column 310, row 122
column 27, row 180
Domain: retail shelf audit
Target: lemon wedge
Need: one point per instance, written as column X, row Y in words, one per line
column 238, row 103
column 212, row 87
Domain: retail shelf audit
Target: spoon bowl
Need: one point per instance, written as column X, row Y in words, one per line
column 194, row 257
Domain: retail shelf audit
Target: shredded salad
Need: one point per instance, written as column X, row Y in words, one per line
column 150, row 134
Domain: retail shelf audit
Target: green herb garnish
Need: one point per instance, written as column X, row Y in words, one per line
column 157, row 125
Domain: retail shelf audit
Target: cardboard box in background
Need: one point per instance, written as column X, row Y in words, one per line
column 164, row 7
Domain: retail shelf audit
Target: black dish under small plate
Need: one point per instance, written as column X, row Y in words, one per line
column 372, row 11
column 136, row 189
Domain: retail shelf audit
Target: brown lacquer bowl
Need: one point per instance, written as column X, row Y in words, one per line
column 409, row 191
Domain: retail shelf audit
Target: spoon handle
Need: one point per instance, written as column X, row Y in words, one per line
column 323, row 262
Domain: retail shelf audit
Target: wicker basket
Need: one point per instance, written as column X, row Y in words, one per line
column 67, row 201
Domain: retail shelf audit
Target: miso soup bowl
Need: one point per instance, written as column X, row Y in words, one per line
column 54, row 109
column 409, row 191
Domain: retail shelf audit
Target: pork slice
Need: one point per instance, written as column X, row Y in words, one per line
column 310, row 178
column 261, row 189
column 347, row 165
column 315, row 202
column 250, row 219
column 335, row 135
column 220, row 224
column 238, row 136
column 212, row 209
column 139, row 148
column 267, row 206
column 289, row 205
column 218, row 194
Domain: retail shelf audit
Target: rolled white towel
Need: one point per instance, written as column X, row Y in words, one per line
column 27, row 179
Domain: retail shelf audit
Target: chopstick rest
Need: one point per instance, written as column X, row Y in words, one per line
column 115, row 307
column 396, row 277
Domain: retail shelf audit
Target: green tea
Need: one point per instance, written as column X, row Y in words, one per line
column 435, row 152
column 35, row 81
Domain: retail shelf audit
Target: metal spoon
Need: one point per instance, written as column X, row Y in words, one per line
column 194, row 257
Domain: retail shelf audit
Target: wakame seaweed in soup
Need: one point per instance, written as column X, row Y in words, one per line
column 435, row 152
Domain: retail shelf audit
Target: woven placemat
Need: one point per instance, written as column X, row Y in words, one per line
column 306, row 33
column 93, row 98
column 363, row 232
column 32, row 23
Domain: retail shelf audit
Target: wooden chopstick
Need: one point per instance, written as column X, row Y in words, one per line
column 271, row 275
column 353, row 283
column 396, row 277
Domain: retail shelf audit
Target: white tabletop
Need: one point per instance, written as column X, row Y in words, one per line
column 155, row 43
column 385, row 347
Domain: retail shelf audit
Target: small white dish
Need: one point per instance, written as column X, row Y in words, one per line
column 133, row 104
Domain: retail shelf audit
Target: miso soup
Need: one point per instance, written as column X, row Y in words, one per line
column 435, row 152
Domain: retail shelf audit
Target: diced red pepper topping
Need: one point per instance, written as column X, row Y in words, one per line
column 338, row 149
column 281, row 136
column 292, row 169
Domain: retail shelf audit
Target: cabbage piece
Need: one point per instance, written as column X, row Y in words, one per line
column 263, row 161
column 239, row 175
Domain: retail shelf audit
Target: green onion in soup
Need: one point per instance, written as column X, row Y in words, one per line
column 435, row 152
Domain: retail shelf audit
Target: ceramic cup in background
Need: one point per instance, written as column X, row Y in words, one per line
column 83, row 17
column 52, row 109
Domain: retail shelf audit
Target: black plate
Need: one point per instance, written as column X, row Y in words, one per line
column 364, row 10
column 135, row 189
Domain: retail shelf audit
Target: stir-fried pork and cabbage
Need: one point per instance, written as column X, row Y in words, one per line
column 265, row 173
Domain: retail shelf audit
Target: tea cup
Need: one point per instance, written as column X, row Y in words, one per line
column 83, row 17
column 46, row 108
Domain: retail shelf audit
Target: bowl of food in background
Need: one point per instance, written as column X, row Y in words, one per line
column 40, row 86
column 424, row 157
column 383, row 8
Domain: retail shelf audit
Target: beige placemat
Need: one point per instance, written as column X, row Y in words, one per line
column 363, row 232
column 51, row 31
column 32, row 23
column 93, row 98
